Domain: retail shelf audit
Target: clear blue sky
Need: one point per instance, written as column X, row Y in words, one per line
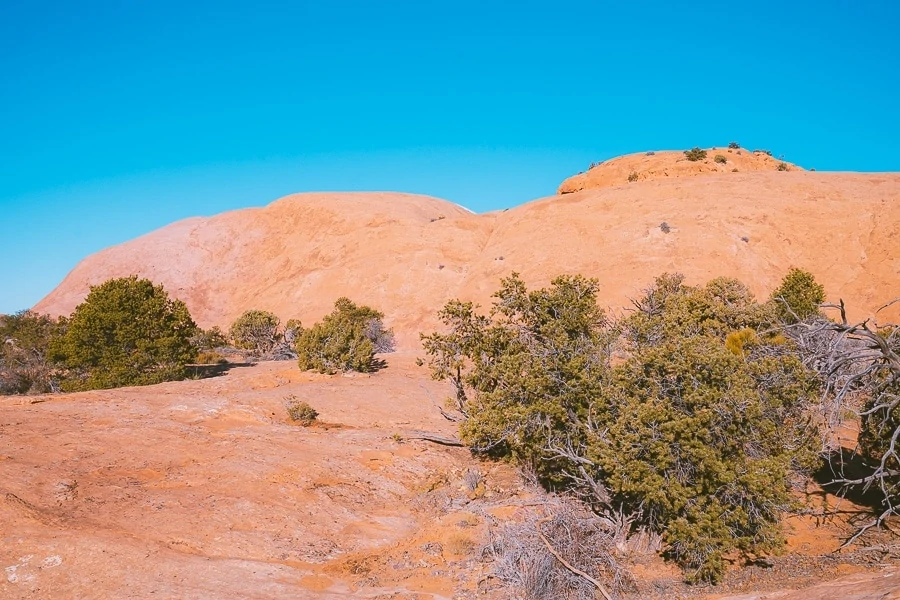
column 119, row 117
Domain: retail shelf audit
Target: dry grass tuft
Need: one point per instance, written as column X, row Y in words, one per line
column 459, row 544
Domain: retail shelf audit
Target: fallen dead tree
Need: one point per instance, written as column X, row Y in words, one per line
column 859, row 364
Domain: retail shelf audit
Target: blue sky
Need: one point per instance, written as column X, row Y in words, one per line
column 119, row 117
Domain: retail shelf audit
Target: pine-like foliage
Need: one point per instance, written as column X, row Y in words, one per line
column 256, row 331
column 126, row 332
column 347, row 339
column 687, row 418
column 798, row 297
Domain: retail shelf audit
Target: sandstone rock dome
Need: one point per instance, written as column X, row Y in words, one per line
column 408, row 254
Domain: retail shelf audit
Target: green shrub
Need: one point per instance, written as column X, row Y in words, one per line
column 705, row 445
column 126, row 332
column 292, row 330
column 798, row 297
column 720, row 159
column 633, row 176
column 783, row 166
column 695, row 154
column 25, row 338
column 734, row 145
column 256, row 331
column 691, row 435
column 209, row 339
column 300, row 411
column 210, row 357
column 345, row 340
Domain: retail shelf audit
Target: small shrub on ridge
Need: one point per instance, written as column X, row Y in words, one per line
column 695, row 154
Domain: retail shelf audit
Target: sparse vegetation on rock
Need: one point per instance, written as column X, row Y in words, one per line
column 126, row 332
column 733, row 146
column 721, row 159
column 300, row 411
column 695, row 154
column 345, row 340
column 633, row 176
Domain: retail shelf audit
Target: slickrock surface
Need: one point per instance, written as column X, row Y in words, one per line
column 204, row 490
column 407, row 255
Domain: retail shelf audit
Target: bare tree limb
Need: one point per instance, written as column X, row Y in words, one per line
column 566, row 563
column 444, row 413
column 858, row 362
column 443, row 440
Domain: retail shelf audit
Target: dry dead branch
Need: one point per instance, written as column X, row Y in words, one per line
column 566, row 553
column 444, row 440
column 860, row 367
column 566, row 563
